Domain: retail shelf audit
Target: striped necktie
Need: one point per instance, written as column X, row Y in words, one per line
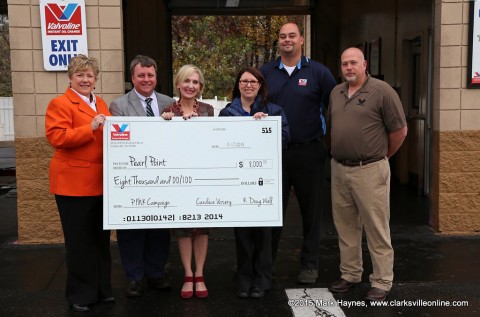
column 149, row 107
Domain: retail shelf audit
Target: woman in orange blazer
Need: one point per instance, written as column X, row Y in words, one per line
column 74, row 127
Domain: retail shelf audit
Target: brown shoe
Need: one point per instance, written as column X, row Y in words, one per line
column 376, row 294
column 341, row 286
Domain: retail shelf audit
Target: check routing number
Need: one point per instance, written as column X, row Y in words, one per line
column 202, row 172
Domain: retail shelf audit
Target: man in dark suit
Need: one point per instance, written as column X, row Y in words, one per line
column 143, row 252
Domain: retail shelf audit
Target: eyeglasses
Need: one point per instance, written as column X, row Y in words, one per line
column 253, row 83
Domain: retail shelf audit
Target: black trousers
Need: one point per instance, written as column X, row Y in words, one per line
column 87, row 249
column 303, row 168
column 254, row 257
column 144, row 252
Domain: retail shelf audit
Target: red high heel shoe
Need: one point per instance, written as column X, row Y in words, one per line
column 200, row 294
column 187, row 294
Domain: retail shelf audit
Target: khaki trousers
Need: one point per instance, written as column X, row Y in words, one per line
column 361, row 198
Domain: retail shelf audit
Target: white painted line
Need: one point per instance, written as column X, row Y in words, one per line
column 314, row 302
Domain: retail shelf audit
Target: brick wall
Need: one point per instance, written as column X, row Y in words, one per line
column 38, row 219
column 456, row 182
column 33, row 88
column 456, row 141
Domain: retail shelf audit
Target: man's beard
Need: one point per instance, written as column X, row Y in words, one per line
column 351, row 78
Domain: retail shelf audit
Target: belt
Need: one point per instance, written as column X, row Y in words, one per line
column 302, row 144
column 358, row 163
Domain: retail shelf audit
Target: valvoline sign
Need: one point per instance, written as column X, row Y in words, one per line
column 64, row 32
column 63, row 19
column 476, row 78
column 120, row 132
column 473, row 66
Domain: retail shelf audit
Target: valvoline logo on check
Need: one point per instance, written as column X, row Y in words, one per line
column 63, row 19
column 476, row 78
column 120, row 132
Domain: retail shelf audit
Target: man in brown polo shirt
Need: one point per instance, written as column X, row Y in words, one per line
column 367, row 125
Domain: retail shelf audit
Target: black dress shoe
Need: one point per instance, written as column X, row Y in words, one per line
column 243, row 293
column 160, row 283
column 257, row 292
column 341, row 286
column 80, row 307
column 376, row 294
column 108, row 300
column 134, row 289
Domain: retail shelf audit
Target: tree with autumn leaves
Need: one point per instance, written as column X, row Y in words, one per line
column 221, row 45
column 5, row 73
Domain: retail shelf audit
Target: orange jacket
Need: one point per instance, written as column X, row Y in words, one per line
column 76, row 168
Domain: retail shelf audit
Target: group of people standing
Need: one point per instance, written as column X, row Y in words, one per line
column 366, row 124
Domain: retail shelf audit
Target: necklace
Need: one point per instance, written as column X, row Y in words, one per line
column 178, row 107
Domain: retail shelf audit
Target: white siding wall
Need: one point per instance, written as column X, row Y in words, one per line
column 7, row 132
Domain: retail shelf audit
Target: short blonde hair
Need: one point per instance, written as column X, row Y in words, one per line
column 81, row 63
column 183, row 73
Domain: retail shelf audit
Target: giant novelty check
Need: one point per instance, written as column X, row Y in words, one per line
column 202, row 172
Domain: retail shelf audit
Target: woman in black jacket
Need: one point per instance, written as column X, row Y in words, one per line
column 254, row 244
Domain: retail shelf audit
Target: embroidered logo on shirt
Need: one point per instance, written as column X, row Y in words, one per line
column 361, row 102
column 302, row 82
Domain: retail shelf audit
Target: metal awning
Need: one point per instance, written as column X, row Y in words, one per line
column 218, row 4
column 238, row 5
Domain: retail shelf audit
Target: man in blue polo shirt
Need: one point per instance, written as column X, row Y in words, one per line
column 302, row 88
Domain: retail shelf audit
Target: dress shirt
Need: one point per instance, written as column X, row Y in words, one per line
column 92, row 103
column 154, row 103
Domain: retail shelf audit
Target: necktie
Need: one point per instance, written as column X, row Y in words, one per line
column 149, row 107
